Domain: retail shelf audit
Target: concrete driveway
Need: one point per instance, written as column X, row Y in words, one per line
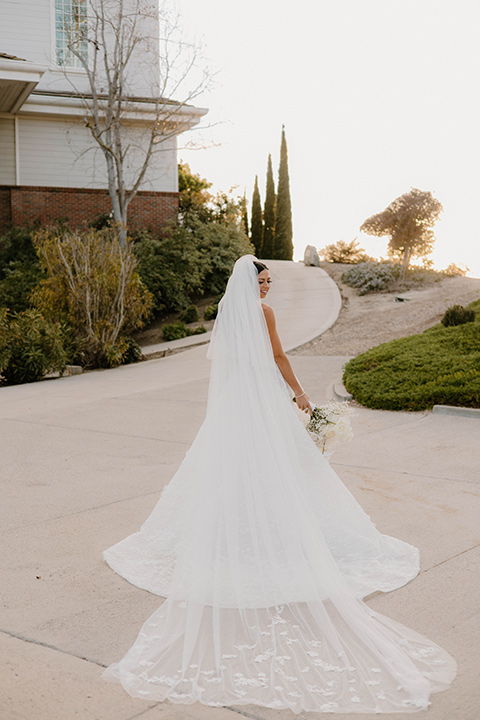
column 83, row 462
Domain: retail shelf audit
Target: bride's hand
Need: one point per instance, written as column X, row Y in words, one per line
column 303, row 403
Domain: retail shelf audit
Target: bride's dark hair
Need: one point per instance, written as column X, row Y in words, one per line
column 260, row 266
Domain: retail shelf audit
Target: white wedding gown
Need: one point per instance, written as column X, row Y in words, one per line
column 264, row 556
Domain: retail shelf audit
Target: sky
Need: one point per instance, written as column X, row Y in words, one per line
column 377, row 97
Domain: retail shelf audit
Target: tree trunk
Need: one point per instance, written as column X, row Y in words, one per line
column 405, row 263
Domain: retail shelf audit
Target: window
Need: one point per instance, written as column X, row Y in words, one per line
column 70, row 31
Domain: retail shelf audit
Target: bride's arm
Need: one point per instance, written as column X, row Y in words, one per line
column 283, row 362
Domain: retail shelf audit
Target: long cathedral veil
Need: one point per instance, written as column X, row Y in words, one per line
column 258, row 610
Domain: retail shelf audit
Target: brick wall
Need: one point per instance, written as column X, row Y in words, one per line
column 5, row 209
column 23, row 205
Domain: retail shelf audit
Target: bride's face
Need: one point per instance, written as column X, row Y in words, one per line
column 264, row 280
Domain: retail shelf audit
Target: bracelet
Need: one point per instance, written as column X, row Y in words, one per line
column 299, row 396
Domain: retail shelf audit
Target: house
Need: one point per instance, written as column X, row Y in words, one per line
column 50, row 167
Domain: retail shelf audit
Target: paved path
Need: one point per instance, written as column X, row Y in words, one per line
column 306, row 302
column 83, row 461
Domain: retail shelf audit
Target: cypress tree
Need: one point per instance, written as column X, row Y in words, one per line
column 268, row 247
column 256, row 235
column 283, row 220
column 243, row 205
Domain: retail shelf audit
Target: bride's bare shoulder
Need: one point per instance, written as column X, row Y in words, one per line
column 269, row 314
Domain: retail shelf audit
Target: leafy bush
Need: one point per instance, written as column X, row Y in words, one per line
column 92, row 286
column 19, row 269
column 16, row 245
column 438, row 366
column 189, row 315
column 195, row 258
column 174, row 331
column 132, row 353
column 371, row 276
column 454, row 270
column 30, row 347
column 19, row 279
column 198, row 330
column 344, row 252
column 210, row 312
column 458, row 315
column 178, row 330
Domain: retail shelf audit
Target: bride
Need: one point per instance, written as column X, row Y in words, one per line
column 264, row 556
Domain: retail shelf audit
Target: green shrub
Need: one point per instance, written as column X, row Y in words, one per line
column 178, row 330
column 193, row 258
column 16, row 245
column 92, row 285
column 210, row 312
column 19, row 279
column 189, row 315
column 458, row 315
column 174, row 331
column 132, row 352
column 30, row 347
column 438, row 366
column 198, row 330
column 344, row 252
column 371, row 276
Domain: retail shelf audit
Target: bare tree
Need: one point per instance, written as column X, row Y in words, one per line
column 407, row 222
column 124, row 44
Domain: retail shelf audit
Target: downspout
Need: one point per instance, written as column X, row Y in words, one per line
column 17, row 150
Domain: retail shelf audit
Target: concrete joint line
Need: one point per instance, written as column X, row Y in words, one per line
column 142, row 712
column 50, row 647
column 79, row 512
column 100, row 432
column 99, row 664
column 447, row 560
column 243, row 713
column 400, row 472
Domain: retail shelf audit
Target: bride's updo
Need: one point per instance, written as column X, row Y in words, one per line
column 259, row 266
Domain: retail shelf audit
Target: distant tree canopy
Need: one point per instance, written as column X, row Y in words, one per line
column 407, row 222
column 192, row 188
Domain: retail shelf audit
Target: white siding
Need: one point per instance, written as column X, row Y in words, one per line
column 7, row 151
column 59, row 153
column 27, row 31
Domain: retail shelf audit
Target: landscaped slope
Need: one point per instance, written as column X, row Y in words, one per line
column 440, row 366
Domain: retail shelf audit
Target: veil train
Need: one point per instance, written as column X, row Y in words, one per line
column 264, row 556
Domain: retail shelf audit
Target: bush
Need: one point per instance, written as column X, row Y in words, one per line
column 174, row 331
column 454, row 270
column 438, row 366
column 194, row 258
column 371, row 276
column 30, row 347
column 458, row 315
column 93, row 287
column 198, row 330
column 189, row 315
column 20, row 277
column 210, row 312
column 15, row 246
column 20, row 269
column 132, row 353
column 178, row 330
column 343, row 252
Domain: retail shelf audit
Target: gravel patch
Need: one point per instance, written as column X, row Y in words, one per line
column 369, row 320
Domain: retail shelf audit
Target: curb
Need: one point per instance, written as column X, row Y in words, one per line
column 456, row 411
column 337, row 391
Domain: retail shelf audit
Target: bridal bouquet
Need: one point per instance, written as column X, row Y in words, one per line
column 330, row 423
